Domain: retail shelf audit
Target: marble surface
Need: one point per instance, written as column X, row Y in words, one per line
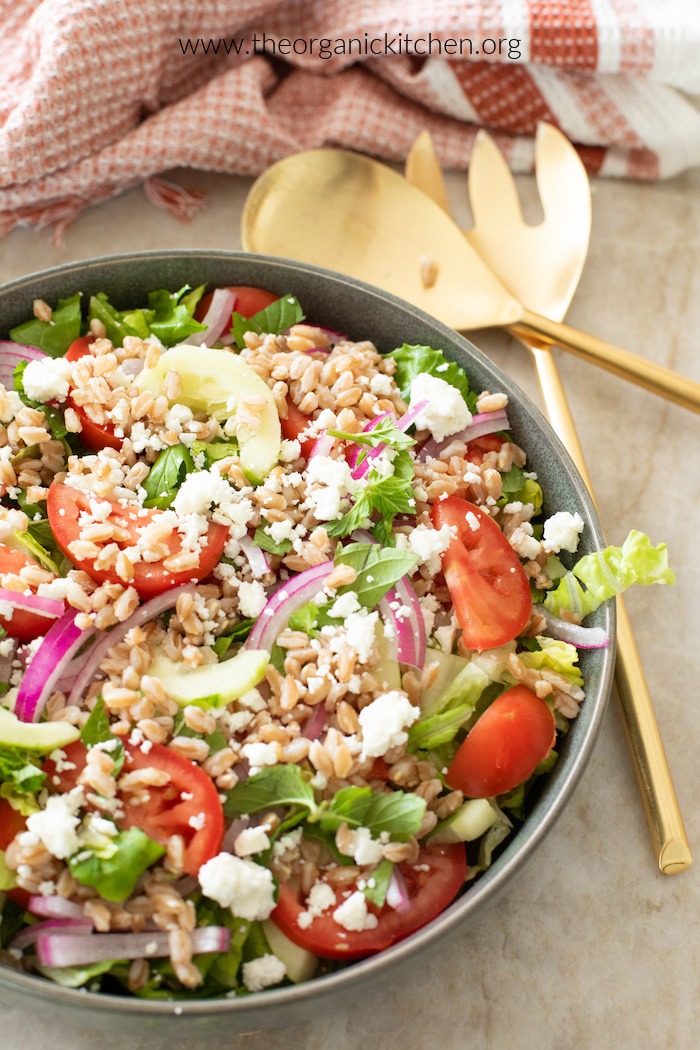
column 590, row 947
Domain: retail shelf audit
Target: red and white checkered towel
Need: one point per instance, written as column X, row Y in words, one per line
column 100, row 95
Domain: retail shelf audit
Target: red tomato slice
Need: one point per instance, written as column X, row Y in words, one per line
column 166, row 813
column 94, row 435
column 432, row 884
column 479, row 447
column 11, row 823
column 248, row 301
column 505, row 745
column 22, row 625
column 64, row 505
column 294, row 425
column 487, row 583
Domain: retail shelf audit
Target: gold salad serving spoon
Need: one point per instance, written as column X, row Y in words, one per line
column 380, row 228
column 541, row 265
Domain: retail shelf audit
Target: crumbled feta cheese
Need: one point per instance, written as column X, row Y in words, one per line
column 56, row 589
column 47, row 380
column 353, row 914
column 287, row 843
column 56, row 825
column 260, row 754
column 199, row 490
column 360, row 631
column 562, row 531
column 363, row 848
column 524, row 543
column 253, row 700
column 335, row 482
column 320, row 899
column 251, row 599
column 290, row 451
column 252, row 840
column 383, row 723
column 263, row 972
column 278, row 531
column 446, row 412
column 380, row 385
column 241, row 885
column 345, row 605
column 428, row 544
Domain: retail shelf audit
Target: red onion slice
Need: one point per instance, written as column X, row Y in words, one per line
column 48, row 665
column 289, row 597
column 144, row 614
column 322, row 446
column 132, row 366
column 33, row 603
column 10, row 356
column 70, row 950
column 216, row 318
column 481, row 425
column 55, row 907
column 257, row 559
column 55, row 927
column 581, row 637
column 353, row 453
column 316, row 723
column 407, row 420
column 397, row 896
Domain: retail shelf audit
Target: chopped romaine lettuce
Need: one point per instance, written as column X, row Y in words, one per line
column 558, row 656
column 54, row 336
column 115, row 876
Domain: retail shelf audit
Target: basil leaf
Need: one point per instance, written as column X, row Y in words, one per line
column 513, row 480
column 19, row 773
column 115, row 877
column 275, row 318
column 414, row 360
column 54, row 417
column 239, row 634
column 399, row 814
column 273, row 786
column 172, row 320
column 377, row 568
column 384, row 433
column 115, row 325
column 383, row 534
column 166, row 475
column 97, row 730
column 380, row 879
column 304, row 619
column 387, row 496
column 54, row 336
column 267, row 543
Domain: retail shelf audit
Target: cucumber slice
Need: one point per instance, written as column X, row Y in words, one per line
column 41, row 737
column 213, row 381
column 212, row 685
column 301, row 965
column 472, row 819
column 387, row 668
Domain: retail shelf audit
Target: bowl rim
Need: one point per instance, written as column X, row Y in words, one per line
column 529, row 836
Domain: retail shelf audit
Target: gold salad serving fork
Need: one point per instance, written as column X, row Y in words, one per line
column 541, row 265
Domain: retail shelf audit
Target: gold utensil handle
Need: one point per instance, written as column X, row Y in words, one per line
column 653, row 775
column 662, row 381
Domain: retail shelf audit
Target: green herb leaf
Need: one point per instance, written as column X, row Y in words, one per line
column 384, row 433
column 32, row 546
column 239, row 634
column 115, row 325
column 399, row 814
column 213, row 451
column 275, row 318
column 387, row 496
column 54, row 336
column 267, row 543
column 380, row 879
column 97, row 730
column 115, row 877
column 172, row 320
column 383, row 533
column 377, row 568
column 414, row 360
column 166, row 475
column 20, row 776
column 305, row 619
column 513, row 480
column 273, row 786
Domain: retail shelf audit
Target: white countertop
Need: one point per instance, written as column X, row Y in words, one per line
column 590, row 947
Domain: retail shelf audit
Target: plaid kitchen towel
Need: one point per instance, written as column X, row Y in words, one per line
column 100, row 95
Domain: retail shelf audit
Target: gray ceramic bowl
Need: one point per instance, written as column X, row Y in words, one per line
column 363, row 312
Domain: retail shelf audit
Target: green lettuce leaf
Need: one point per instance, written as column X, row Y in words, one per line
column 239, row 634
column 556, row 655
column 54, row 336
column 444, row 717
column 170, row 314
column 21, row 776
column 414, row 360
column 399, row 813
column 116, row 327
column 603, row 574
column 8, row 878
column 115, row 877
column 213, row 451
column 76, row 976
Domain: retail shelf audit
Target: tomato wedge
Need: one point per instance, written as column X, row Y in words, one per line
column 248, row 301
column 487, row 583
column 188, row 800
column 479, row 447
column 94, row 435
column 22, row 625
column 295, row 424
column 505, row 745
column 432, row 883
column 11, row 823
column 64, row 505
